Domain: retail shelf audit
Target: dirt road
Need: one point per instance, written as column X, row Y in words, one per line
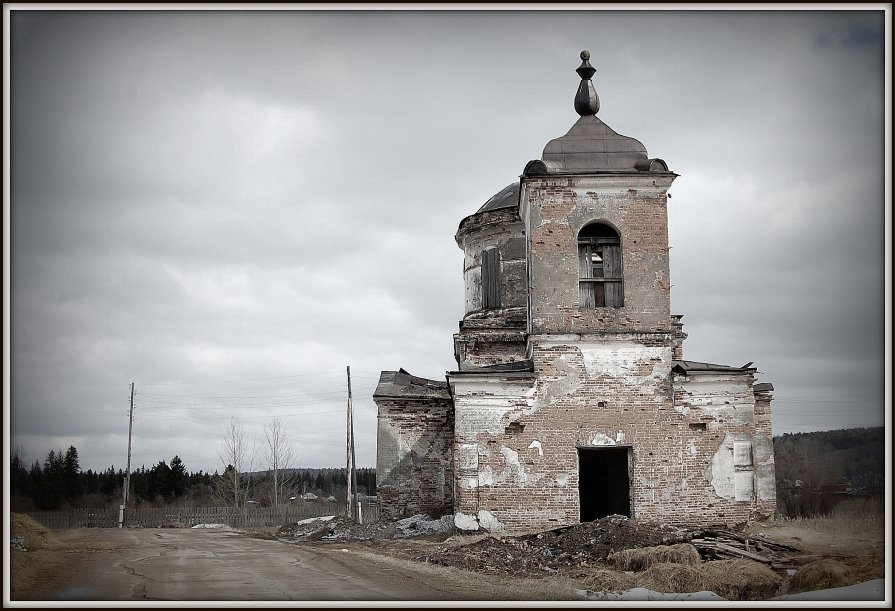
column 220, row 565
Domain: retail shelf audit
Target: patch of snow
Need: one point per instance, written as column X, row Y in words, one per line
column 209, row 526
column 645, row 594
column 320, row 519
column 869, row 590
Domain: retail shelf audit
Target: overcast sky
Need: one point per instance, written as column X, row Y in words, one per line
column 229, row 208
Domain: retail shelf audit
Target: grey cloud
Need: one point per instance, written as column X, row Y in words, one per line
column 214, row 196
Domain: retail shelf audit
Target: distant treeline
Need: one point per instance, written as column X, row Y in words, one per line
column 58, row 482
column 815, row 470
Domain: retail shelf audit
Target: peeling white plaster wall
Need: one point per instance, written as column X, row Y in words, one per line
column 489, row 522
column 465, row 522
column 729, row 475
column 602, row 440
column 513, row 470
column 484, row 408
column 725, row 399
column 619, row 359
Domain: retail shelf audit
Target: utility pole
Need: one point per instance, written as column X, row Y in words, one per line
column 352, row 473
column 127, row 474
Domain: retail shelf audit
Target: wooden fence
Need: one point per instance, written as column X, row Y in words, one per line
column 154, row 517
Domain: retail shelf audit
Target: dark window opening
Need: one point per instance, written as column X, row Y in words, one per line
column 599, row 267
column 604, row 484
column 514, row 429
column 490, row 279
column 698, row 426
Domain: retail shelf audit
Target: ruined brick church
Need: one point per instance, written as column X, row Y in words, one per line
column 572, row 399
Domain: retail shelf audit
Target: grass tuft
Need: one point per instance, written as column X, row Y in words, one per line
column 639, row 559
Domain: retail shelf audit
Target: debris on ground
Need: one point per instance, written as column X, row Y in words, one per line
column 566, row 549
column 17, row 543
column 328, row 528
column 420, row 525
column 725, row 545
column 612, row 554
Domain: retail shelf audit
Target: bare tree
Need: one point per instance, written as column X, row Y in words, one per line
column 233, row 487
column 278, row 457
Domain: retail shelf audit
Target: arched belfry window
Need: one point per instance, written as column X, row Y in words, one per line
column 599, row 267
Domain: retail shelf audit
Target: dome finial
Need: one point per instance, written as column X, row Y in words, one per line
column 587, row 102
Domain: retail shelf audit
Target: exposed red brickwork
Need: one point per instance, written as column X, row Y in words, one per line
column 558, row 211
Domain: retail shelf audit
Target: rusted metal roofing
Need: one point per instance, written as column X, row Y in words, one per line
column 688, row 367
column 507, row 197
column 401, row 385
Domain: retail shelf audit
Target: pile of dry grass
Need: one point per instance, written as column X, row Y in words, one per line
column 821, row 575
column 35, row 536
column 605, row 580
column 639, row 559
column 674, row 578
column 742, row 579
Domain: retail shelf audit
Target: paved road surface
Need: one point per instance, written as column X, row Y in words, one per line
column 209, row 565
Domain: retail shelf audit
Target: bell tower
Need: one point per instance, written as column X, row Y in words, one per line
column 594, row 208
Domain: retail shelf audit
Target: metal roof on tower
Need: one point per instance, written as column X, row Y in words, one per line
column 591, row 146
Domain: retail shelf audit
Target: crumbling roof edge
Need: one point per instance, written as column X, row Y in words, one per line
column 691, row 367
column 524, row 367
column 404, row 386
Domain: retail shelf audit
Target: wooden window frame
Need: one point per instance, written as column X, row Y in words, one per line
column 603, row 286
column 490, row 279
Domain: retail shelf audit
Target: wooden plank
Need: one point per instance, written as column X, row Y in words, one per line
column 734, row 550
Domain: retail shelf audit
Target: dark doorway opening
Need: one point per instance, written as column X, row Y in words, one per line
column 604, row 485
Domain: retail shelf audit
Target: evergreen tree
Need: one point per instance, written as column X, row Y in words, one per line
column 19, row 478
column 159, row 481
column 177, row 478
column 70, row 474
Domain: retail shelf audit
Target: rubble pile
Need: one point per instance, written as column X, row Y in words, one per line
column 343, row 528
column 568, row 549
column 612, row 553
column 329, row 528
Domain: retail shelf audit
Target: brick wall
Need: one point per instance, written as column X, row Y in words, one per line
column 413, row 457
column 555, row 210
column 517, row 444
